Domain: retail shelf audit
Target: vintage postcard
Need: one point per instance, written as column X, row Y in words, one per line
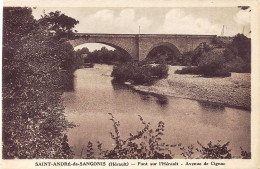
column 130, row 84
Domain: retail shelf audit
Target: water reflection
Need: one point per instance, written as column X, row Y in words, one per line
column 211, row 107
column 147, row 97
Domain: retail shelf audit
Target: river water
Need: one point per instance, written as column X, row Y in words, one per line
column 186, row 121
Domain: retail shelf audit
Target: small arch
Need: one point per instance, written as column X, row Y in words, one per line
column 169, row 51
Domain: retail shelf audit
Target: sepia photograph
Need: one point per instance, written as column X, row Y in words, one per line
column 92, row 82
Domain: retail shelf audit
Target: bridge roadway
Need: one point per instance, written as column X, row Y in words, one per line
column 138, row 46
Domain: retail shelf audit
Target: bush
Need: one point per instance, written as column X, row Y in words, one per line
column 187, row 58
column 188, row 70
column 145, row 144
column 139, row 73
column 243, row 46
column 160, row 71
column 215, row 151
column 211, row 64
column 238, row 65
column 219, row 58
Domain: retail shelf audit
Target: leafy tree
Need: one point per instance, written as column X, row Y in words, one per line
column 107, row 56
column 59, row 24
column 33, row 114
column 242, row 45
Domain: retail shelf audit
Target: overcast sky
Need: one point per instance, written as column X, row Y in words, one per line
column 187, row 20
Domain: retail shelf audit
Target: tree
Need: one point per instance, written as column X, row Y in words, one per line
column 81, row 55
column 59, row 24
column 17, row 22
column 242, row 45
column 33, row 114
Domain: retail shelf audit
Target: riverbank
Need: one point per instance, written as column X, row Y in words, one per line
column 232, row 91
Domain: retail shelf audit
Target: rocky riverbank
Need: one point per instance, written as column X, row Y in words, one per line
column 232, row 91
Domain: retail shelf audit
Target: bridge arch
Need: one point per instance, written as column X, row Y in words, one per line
column 124, row 48
column 168, row 46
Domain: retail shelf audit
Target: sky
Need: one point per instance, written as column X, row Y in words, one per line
column 164, row 20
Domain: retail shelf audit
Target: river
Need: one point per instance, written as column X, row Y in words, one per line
column 186, row 121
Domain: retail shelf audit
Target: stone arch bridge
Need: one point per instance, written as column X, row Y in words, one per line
column 138, row 46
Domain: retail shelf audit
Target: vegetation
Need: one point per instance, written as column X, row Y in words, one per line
column 148, row 144
column 33, row 64
column 220, row 59
column 163, row 55
column 145, row 144
column 139, row 73
column 103, row 56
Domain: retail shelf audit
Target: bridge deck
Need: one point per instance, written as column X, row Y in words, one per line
column 140, row 35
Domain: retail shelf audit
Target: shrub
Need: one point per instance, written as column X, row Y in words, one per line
column 222, row 72
column 188, row 70
column 187, row 153
column 220, row 58
column 238, row 65
column 211, row 64
column 243, row 46
column 160, row 71
column 215, row 151
column 145, row 144
column 245, row 154
column 187, row 58
column 139, row 73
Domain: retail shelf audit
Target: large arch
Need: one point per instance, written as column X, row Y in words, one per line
column 123, row 45
column 168, row 45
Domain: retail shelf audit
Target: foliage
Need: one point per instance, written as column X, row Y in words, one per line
column 59, row 24
column 211, row 64
column 33, row 114
column 70, row 61
column 107, row 56
column 187, row 153
column 139, row 73
column 17, row 22
column 237, row 65
column 199, row 52
column 160, row 71
column 245, row 154
column 243, row 46
column 162, row 55
column 188, row 70
column 187, row 58
column 81, row 54
column 145, row 144
column 215, row 151
column 89, row 151
column 220, row 58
